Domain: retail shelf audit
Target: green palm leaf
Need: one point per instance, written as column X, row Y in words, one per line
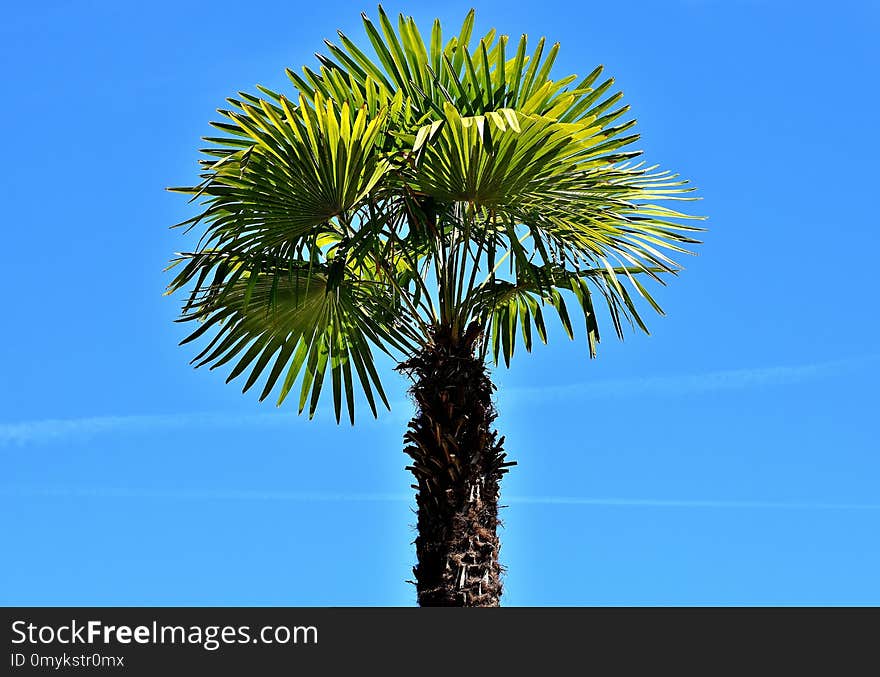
column 420, row 182
column 282, row 323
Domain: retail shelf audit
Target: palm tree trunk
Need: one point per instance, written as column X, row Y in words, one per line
column 458, row 463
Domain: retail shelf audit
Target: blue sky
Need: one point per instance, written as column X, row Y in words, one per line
column 729, row 458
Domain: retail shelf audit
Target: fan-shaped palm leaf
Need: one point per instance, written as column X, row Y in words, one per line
column 454, row 174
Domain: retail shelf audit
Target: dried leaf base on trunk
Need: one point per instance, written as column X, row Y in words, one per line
column 458, row 463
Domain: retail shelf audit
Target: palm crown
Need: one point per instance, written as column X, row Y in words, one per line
column 444, row 185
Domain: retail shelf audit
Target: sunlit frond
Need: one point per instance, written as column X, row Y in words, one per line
column 417, row 182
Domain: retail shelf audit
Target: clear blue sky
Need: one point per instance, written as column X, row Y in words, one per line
column 729, row 458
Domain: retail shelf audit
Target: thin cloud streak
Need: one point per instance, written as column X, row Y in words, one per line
column 677, row 503
column 686, row 384
column 343, row 497
column 199, row 494
column 51, row 430
column 54, row 430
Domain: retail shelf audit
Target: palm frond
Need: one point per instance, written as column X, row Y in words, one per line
column 421, row 181
column 299, row 323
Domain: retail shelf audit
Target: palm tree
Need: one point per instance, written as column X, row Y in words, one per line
column 432, row 202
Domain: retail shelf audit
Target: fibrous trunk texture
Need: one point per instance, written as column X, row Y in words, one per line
column 458, row 463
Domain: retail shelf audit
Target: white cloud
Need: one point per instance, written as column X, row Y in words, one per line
column 683, row 384
column 686, row 503
column 54, row 430
column 353, row 497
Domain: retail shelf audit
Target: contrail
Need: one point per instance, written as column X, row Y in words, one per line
column 683, row 384
column 678, row 503
column 52, row 430
column 343, row 497
column 199, row 494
